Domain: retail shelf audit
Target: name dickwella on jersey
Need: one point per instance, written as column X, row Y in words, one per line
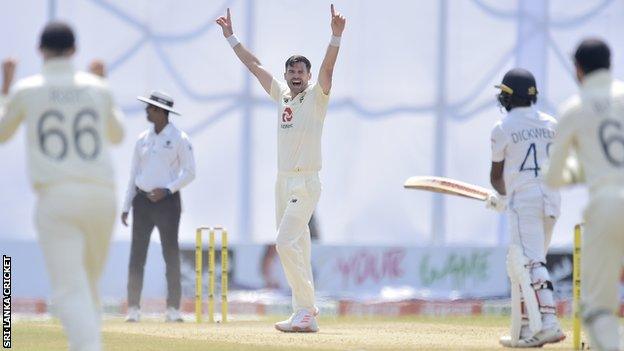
column 532, row 134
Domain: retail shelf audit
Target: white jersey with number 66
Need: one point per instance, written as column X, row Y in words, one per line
column 522, row 139
column 592, row 125
column 70, row 119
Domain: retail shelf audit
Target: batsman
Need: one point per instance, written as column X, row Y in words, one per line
column 301, row 110
column 520, row 148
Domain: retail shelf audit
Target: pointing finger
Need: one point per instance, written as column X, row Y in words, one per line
column 333, row 12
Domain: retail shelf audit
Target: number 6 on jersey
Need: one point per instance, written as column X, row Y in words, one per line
column 86, row 139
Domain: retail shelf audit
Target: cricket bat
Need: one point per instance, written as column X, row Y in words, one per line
column 448, row 186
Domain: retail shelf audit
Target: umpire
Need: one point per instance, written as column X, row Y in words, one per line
column 162, row 164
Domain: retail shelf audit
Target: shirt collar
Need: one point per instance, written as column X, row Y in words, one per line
column 169, row 128
column 597, row 78
column 523, row 111
column 305, row 91
column 55, row 65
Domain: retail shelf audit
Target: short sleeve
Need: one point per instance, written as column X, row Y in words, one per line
column 321, row 97
column 499, row 143
column 278, row 89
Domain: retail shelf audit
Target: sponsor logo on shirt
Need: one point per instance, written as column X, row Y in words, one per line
column 287, row 117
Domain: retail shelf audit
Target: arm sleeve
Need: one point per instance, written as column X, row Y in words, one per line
column 321, row 101
column 131, row 190
column 559, row 151
column 11, row 116
column 187, row 166
column 321, row 97
column 277, row 90
column 114, row 129
column 499, row 143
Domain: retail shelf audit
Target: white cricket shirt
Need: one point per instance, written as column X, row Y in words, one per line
column 592, row 125
column 299, row 127
column 163, row 160
column 70, row 120
column 523, row 138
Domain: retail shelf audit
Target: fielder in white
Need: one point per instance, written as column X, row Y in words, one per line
column 591, row 127
column 70, row 121
column 301, row 112
column 520, row 147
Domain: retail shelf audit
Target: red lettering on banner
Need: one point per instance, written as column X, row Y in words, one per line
column 366, row 265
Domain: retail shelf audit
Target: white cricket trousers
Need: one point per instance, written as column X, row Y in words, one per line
column 532, row 217
column 296, row 196
column 602, row 250
column 74, row 224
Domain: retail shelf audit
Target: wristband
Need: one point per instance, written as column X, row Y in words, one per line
column 233, row 40
column 335, row 41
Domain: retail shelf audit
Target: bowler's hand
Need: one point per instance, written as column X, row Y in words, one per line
column 226, row 24
column 97, row 67
column 157, row 194
column 8, row 73
column 573, row 171
column 496, row 202
column 338, row 22
column 124, row 219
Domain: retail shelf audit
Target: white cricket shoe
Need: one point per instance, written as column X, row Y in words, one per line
column 134, row 315
column 545, row 336
column 285, row 326
column 173, row 315
column 304, row 321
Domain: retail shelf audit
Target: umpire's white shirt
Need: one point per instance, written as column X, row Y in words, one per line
column 163, row 160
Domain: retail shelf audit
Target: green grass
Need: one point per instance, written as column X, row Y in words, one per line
column 350, row 333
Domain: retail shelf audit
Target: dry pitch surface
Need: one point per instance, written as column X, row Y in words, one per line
column 406, row 333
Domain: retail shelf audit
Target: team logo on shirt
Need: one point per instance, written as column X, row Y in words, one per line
column 168, row 144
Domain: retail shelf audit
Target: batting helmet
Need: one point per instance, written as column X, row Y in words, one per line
column 518, row 88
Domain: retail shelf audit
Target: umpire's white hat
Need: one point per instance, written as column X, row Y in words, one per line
column 160, row 99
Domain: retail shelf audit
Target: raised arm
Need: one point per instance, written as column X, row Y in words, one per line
column 327, row 67
column 247, row 58
column 114, row 129
column 11, row 111
column 8, row 73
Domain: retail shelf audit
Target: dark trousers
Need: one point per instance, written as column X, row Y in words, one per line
column 165, row 215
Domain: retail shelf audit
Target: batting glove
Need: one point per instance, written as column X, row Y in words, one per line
column 496, row 202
